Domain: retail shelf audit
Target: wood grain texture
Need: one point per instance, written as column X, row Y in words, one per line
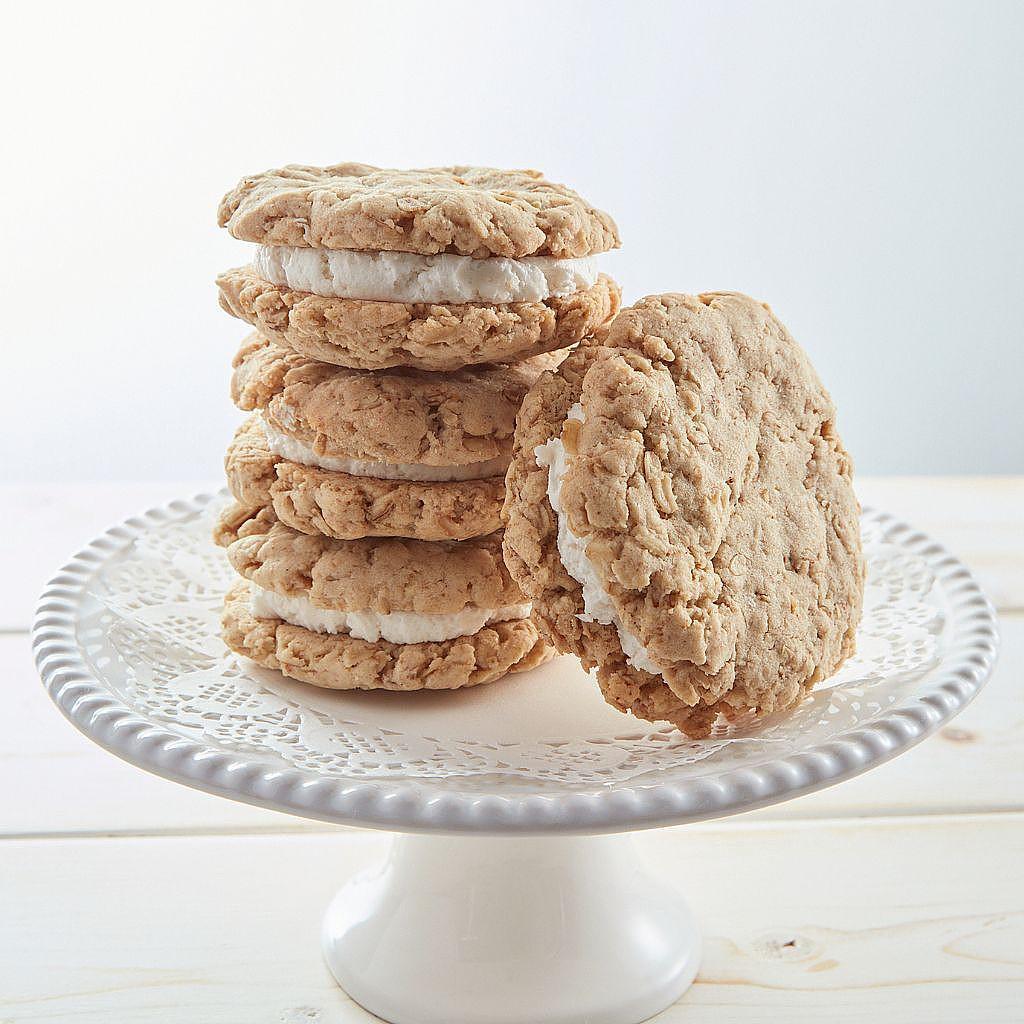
column 907, row 920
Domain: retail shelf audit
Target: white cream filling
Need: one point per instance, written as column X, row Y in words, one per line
column 597, row 602
column 408, row 277
column 291, row 448
column 394, row 627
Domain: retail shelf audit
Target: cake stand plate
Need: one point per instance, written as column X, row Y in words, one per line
column 535, row 907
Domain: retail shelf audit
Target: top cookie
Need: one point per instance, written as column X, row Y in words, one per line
column 680, row 510
column 472, row 211
column 378, row 574
column 400, row 415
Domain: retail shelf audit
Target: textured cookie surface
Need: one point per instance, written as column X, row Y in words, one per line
column 236, row 519
column 401, row 415
column 432, row 336
column 341, row 662
column 716, row 505
column 474, row 211
column 382, row 575
column 347, row 507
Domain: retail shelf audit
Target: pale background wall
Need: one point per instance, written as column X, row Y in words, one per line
column 858, row 165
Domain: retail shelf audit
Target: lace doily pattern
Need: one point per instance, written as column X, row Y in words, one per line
column 130, row 632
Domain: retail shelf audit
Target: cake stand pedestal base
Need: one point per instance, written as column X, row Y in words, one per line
column 549, row 930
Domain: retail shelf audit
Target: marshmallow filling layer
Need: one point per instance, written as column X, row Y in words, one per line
column 294, row 450
column 572, row 550
column 408, row 277
column 394, row 627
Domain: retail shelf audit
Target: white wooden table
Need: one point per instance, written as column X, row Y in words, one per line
column 898, row 896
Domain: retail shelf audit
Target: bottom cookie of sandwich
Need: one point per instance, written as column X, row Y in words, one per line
column 338, row 661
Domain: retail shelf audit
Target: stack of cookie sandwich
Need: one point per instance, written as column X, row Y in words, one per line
column 400, row 318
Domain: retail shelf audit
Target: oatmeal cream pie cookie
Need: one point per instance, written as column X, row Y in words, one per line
column 351, row 453
column 680, row 511
column 435, row 268
column 376, row 614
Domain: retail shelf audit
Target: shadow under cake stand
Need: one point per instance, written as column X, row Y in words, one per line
column 535, row 907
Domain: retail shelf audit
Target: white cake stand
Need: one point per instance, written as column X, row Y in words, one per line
column 535, row 907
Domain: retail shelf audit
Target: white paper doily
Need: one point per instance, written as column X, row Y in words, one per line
column 128, row 643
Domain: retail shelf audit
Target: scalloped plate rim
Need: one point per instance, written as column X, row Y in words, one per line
column 414, row 805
